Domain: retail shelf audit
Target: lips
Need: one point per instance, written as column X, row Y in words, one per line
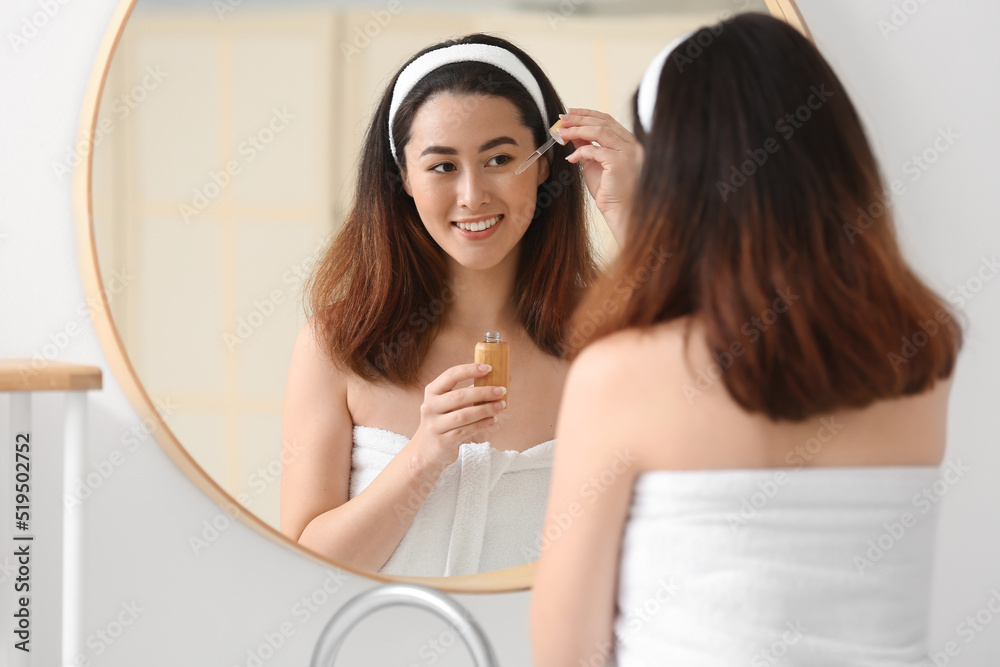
column 478, row 229
column 478, row 225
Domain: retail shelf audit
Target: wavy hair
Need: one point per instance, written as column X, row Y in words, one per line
column 760, row 183
column 379, row 294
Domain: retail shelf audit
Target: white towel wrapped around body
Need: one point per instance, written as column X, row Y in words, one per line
column 485, row 512
column 810, row 567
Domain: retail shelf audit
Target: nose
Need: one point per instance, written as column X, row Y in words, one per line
column 473, row 190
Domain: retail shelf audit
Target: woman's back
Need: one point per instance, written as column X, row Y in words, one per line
column 683, row 394
column 747, row 539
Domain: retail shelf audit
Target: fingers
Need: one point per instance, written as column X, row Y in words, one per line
column 590, row 125
column 474, row 418
column 602, row 154
column 587, row 112
column 592, row 113
column 452, row 376
column 460, row 398
column 458, row 407
column 585, row 134
column 467, row 433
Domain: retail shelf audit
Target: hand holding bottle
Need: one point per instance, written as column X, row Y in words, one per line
column 450, row 416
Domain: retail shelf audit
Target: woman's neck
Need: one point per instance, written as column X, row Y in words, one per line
column 483, row 299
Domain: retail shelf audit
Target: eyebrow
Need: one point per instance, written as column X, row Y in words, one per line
column 448, row 150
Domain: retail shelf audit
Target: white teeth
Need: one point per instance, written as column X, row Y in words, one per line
column 479, row 226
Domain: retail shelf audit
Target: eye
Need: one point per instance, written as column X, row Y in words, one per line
column 440, row 168
column 503, row 159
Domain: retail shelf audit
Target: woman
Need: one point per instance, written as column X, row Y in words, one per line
column 746, row 438
column 393, row 461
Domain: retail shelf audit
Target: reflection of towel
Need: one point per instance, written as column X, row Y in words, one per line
column 485, row 512
column 814, row 567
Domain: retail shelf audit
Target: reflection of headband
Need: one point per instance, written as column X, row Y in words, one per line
column 484, row 53
column 645, row 101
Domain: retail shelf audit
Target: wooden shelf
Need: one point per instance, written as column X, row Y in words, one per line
column 26, row 375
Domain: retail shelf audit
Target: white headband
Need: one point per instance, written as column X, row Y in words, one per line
column 485, row 53
column 645, row 101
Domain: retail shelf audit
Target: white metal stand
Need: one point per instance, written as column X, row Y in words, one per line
column 18, row 526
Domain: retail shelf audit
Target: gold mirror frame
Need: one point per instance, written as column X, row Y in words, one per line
column 499, row 581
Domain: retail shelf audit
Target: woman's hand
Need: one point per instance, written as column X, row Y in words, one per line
column 449, row 416
column 611, row 169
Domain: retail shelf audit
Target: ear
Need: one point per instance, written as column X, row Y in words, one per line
column 406, row 182
column 543, row 169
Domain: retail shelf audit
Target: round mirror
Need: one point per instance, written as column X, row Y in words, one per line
column 219, row 147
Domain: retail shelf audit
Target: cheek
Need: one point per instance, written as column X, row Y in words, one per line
column 521, row 195
column 427, row 195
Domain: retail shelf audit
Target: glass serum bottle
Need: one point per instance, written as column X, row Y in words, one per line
column 496, row 353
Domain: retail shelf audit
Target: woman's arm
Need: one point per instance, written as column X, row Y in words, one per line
column 317, row 439
column 317, row 435
column 573, row 597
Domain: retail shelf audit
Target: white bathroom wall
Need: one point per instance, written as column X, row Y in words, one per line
column 934, row 69
column 919, row 71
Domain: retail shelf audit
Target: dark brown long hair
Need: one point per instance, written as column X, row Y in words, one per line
column 379, row 294
column 760, row 183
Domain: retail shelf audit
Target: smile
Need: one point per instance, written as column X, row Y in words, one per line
column 478, row 225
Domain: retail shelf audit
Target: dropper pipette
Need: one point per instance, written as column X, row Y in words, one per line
column 554, row 138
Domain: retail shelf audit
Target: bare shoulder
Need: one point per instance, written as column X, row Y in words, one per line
column 312, row 365
column 316, row 435
column 591, row 392
column 601, row 362
column 663, row 390
column 623, row 383
column 317, row 388
column 635, row 360
column 315, row 392
column 308, row 341
column 910, row 429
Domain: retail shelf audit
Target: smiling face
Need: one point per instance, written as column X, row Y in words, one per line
column 460, row 163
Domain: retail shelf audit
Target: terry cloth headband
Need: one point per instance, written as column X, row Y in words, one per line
column 484, row 53
column 645, row 101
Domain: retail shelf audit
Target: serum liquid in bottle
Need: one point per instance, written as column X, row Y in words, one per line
column 496, row 353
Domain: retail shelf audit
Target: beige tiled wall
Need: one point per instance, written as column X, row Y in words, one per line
column 240, row 261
